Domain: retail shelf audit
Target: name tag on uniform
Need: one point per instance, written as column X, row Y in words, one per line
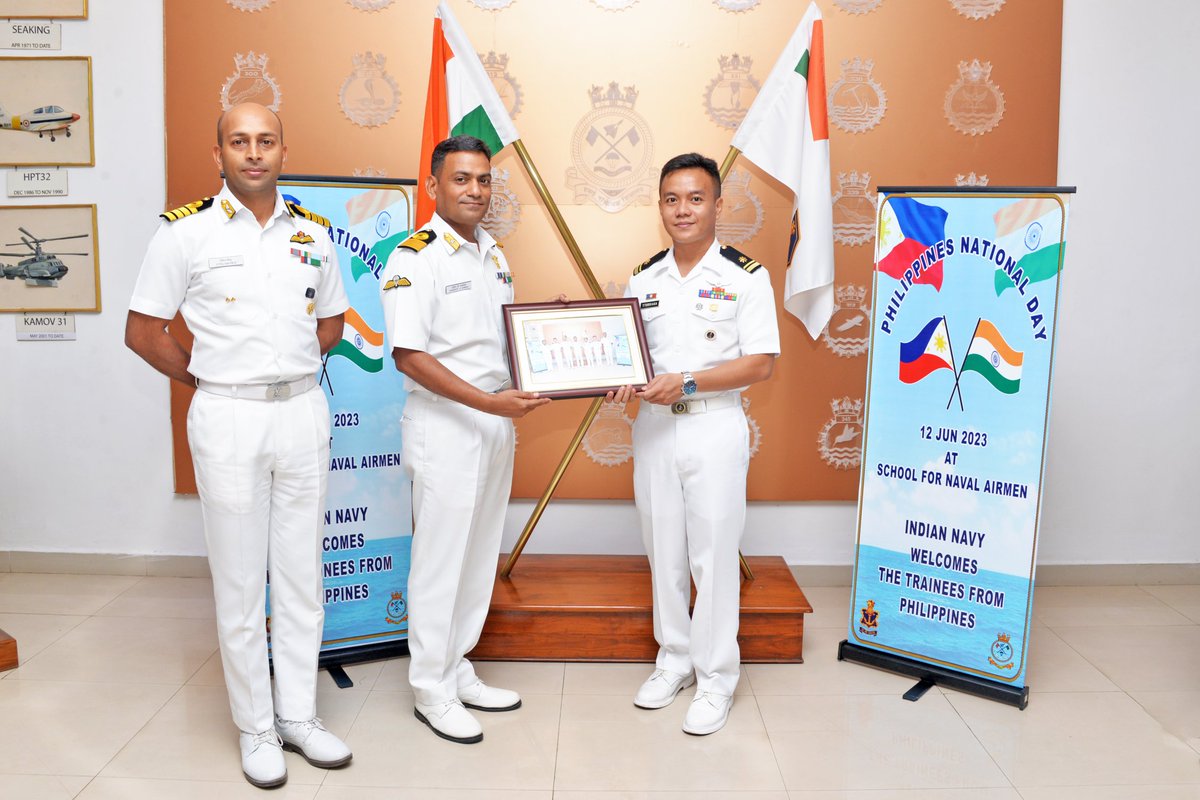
column 226, row 261
column 458, row 287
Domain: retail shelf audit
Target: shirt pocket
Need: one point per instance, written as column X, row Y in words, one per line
column 227, row 290
column 716, row 320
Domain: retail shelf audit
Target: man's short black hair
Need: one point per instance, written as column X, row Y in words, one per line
column 456, row 144
column 691, row 161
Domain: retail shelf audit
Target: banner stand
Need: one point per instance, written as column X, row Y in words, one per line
column 930, row 675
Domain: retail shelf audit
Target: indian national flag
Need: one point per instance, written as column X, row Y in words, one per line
column 1030, row 232
column 786, row 133
column 461, row 99
column 991, row 357
column 360, row 344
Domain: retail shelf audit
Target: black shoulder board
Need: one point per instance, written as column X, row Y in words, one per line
column 741, row 259
column 301, row 211
column 651, row 261
column 419, row 240
column 186, row 211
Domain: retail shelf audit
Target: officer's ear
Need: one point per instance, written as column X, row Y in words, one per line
column 431, row 186
column 217, row 157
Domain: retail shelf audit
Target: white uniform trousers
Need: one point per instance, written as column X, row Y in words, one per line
column 261, row 469
column 689, row 485
column 461, row 463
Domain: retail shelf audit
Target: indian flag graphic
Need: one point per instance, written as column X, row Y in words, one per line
column 991, row 357
column 360, row 344
column 1030, row 231
column 460, row 100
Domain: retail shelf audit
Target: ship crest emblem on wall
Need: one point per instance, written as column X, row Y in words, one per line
column 609, row 440
column 974, row 105
column 849, row 328
column 369, row 95
column 505, row 211
column 251, row 83
column 970, row 179
column 370, row 5
column 858, row 6
column 249, row 5
column 977, row 9
column 496, row 66
column 729, row 95
column 853, row 209
column 737, row 5
column 857, row 102
column 611, row 150
column 840, row 441
column 492, row 5
column 742, row 212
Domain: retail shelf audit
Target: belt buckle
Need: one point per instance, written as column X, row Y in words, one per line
column 279, row 391
column 679, row 408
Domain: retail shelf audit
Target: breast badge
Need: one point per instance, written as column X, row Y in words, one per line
column 742, row 213
column 729, row 95
column 977, row 9
column 251, row 82
column 609, row 440
column 974, row 105
column 369, row 96
column 840, row 442
column 856, row 101
column 496, row 66
column 853, row 209
column 849, row 328
column 612, row 151
column 505, row 211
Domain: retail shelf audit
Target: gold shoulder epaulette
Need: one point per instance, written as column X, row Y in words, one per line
column 651, row 261
column 741, row 259
column 186, row 211
column 300, row 211
column 418, row 241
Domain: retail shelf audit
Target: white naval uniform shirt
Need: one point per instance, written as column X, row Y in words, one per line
column 244, row 295
column 717, row 313
column 445, row 300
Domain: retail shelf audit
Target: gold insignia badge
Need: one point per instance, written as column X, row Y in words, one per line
column 449, row 237
column 396, row 281
column 311, row 308
column 227, row 207
column 301, row 238
column 230, row 299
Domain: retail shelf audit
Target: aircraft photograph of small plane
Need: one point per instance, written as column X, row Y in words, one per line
column 38, row 267
column 42, row 121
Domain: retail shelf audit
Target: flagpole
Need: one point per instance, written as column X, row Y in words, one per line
column 727, row 164
column 958, row 370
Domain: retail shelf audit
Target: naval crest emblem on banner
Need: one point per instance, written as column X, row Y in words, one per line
column 742, row 212
column 249, row 5
column 868, row 621
column 970, row 179
column 609, row 440
column 1001, row 652
column 977, row 9
column 505, row 211
column 974, row 105
column 737, row 5
column 370, row 5
column 858, row 6
column 853, row 209
column 729, row 95
column 611, row 150
column 369, row 95
column 251, row 82
column 857, row 102
column 840, row 441
column 849, row 328
column 397, row 609
column 496, row 66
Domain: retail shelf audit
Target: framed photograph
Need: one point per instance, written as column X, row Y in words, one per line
column 46, row 112
column 582, row 349
column 43, row 9
column 48, row 258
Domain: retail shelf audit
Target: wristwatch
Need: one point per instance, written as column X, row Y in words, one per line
column 689, row 384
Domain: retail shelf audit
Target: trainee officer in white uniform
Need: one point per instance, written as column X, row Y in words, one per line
column 442, row 293
column 709, row 314
column 258, row 284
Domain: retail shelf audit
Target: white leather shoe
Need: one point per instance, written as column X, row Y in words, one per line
column 707, row 713
column 660, row 688
column 450, row 721
column 318, row 746
column 482, row 697
column 262, row 760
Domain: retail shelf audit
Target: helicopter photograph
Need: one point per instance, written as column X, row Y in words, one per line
column 48, row 258
column 46, row 111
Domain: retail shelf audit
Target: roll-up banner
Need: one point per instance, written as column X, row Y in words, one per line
column 965, row 302
column 368, row 519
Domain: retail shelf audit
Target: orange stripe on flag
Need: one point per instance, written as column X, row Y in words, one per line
column 368, row 204
column 1018, row 215
column 361, row 327
column 437, row 119
column 988, row 332
column 818, row 114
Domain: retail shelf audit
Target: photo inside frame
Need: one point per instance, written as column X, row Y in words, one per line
column 570, row 350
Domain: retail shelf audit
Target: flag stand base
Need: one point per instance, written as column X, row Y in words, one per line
column 930, row 675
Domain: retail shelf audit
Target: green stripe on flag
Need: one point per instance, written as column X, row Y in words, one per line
column 802, row 67
column 977, row 363
column 1038, row 266
column 364, row 362
column 381, row 250
column 476, row 123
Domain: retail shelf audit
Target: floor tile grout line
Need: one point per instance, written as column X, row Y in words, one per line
column 771, row 744
column 984, row 747
column 562, row 699
column 143, row 727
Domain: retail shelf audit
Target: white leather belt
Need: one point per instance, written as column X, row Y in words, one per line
column 260, row 391
column 697, row 406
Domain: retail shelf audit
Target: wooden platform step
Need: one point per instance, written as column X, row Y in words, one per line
column 598, row 608
column 8, row 651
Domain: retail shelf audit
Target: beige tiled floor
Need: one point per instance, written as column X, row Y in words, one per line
column 120, row 696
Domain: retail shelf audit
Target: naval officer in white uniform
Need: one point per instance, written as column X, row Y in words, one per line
column 441, row 294
column 709, row 314
column 258, row 284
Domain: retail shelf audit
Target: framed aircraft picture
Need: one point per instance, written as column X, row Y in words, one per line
column 49, row 259
column 44, row 9
column 46, row 112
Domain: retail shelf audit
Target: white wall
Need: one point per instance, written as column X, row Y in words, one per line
column 85, row 438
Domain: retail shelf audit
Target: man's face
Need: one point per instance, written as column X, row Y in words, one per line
column 462, row 190
column 251, row 152
column 689, row 206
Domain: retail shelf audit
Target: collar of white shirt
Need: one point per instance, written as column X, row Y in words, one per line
column 709, row 262
column 453, row 241
column 281, row 209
